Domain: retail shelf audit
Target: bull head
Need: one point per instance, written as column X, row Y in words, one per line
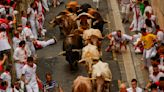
column 56, row 20
column 101, row 83
column 89, row 62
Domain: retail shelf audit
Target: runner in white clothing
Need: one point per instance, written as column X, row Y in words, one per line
column 160, row 34
column 117, row 39
column 148, row 8
column 20, row 57
column 138, row 20
column 6, row 76
column 28, row 37
column 41, row 44
column 4, row 43
column 134, row 87
column 16, row 39
column 29, row 76
column 125, row 8
column 32, row 15
column 23, row 19
column 45, row 5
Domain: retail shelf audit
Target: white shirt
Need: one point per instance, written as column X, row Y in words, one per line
column 137, row 89
column 5, row 76
column 160, row 36
column 148, row 9
column 4, row 44
column 20, row 54
column 39, row 4
column 32, row 13
column 16, row 42
column 24, row 21
column 27, row 32
column 122, row 38
column 3, row 11
column 30, row 74
column 156, row 78
column 45, row 5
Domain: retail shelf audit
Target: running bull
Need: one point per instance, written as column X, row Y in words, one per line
column 72, row 46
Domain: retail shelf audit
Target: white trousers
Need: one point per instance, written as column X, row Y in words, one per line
column 31, row 47
column 32, row 87
column 147, row 54
column 34, row 28
column 125, row 8
column 46, row 43
column 45, row 5
column 18, row 68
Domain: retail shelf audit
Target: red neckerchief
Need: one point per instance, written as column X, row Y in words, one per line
column 17, row 36
column 161, row 56
column 38, row 46
column 24, row 16
column 7, row 72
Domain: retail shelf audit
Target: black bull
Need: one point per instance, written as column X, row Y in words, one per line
column 70, row 43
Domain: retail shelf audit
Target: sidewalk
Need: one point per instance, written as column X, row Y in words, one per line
column 127, row 57
column 131, row 61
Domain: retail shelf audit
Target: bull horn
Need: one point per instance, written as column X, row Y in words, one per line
column 61, row 53
column 107, row 79
column 92, row 78
column 76, row 50
column 51, row 21
column 81, row 60
column 58, row 16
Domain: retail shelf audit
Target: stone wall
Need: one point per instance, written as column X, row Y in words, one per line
column 158, row 8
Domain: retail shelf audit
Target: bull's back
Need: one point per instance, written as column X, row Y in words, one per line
column 82, row 84
column 72, row 42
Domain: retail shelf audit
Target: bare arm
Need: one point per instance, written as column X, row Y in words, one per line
column 109, row 36
column 3, row 60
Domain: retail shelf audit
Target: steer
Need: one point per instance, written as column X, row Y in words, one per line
column 72, row 46
column 82, row 84
column 65, row 21
column 89, row 54
column 84, row 21
column 103, row 76
column 93, row 36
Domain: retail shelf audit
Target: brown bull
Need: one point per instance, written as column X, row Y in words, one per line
column 65, row 22
column 82, row 84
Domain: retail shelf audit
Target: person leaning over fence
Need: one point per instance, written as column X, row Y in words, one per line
column 51, row 85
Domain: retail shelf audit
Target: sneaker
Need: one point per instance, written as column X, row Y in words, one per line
column 55, row 39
